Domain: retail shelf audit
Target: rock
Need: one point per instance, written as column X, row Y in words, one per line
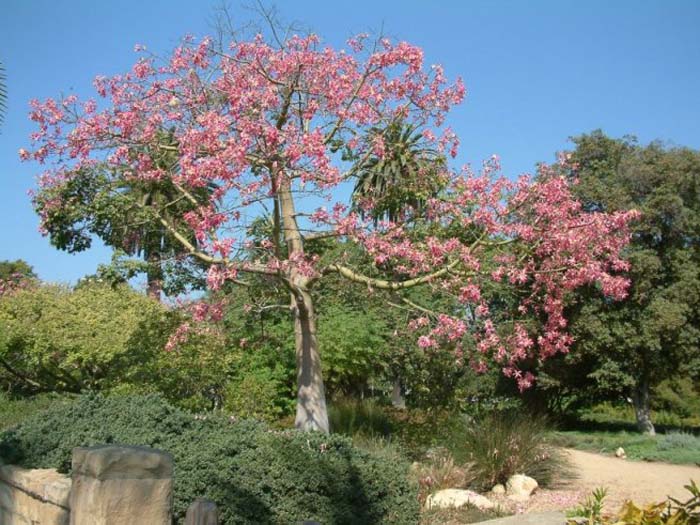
column 121, row 486
column 498, row 489
column 202, row 512
column 620, row 453
column 457, row 498
column 519, row 487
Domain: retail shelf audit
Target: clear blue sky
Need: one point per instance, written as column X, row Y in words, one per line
column 537, row 72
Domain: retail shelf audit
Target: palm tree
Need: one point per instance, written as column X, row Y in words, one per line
column 403, row 178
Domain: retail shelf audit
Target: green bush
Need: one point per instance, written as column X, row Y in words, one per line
column 506, row 443
column 254, row 474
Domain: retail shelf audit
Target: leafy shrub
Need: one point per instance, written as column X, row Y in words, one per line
column 254, row 474
column 507, row 443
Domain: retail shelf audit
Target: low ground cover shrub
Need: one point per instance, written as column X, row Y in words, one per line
column 255, row 475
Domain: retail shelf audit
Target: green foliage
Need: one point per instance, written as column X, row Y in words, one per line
column 255, row 475
column 592, row 507
column 353, row 347
column 55, row 339
column 669, row 512
column 507, row 443
column 255, row 393
column 126, row 214
column 679, row 396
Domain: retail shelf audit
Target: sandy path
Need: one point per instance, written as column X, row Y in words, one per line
column 640, row 481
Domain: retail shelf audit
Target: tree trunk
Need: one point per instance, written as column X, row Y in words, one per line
column 642, row 409
column 154, row 276
column 397, row 399
column 312, row 413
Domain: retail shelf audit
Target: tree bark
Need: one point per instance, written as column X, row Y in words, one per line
column 642, row 408
column 312, row 413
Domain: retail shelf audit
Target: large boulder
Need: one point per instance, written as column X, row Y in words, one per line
column 519, row 487
column 454, row 498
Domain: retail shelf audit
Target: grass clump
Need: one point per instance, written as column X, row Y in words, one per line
column 506, row 443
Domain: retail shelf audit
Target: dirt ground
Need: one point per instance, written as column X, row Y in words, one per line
column 642, row 482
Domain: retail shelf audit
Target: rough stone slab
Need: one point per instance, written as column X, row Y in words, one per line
column 545, row 518
column 121, row 486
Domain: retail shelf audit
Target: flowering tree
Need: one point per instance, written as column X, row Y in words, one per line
column 277, row 129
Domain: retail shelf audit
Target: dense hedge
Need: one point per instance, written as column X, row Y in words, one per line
column 254, row 474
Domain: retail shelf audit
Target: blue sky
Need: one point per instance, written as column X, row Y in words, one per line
column 536, row 71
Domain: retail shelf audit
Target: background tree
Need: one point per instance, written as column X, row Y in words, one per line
column 124, row 212
column 627, row 348
column 264, row 124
